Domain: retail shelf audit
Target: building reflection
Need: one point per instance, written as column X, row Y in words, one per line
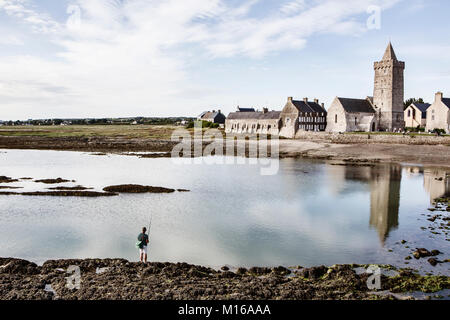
column 385, row 199
column 384, row 187
column 437, row 183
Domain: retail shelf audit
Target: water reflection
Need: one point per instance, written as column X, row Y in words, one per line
column 310, row 213
column 383, row 184
column 437, row 183
column 385, row 199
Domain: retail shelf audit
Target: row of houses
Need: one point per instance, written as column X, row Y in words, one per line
column 384, row 111
column 429, row 116
column 344, row 115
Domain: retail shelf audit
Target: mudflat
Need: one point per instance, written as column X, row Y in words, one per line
column 380, row 147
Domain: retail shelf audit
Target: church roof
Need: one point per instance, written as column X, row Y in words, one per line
column 389, row 54
column 356, row 105
column 254, row 115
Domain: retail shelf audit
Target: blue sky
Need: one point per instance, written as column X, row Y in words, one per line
column 111, row 58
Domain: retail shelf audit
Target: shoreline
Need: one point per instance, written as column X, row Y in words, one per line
column 119, row 279
column 324, row 148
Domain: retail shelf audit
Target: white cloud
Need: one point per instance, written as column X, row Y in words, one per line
column 130, row 57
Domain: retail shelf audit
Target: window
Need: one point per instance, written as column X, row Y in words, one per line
column 356, row 121
column 335, row 118
column 409, row 113
column 414, row 113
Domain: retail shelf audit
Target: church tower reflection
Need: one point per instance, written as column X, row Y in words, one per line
column 383, row 181
column 385, row 199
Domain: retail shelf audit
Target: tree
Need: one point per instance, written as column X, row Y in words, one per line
column 410, row 101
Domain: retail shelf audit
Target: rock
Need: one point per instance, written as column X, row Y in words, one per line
column 135, row 188
column 224, row 268
column 227, row 275
column 433, row 261
column 281, row 270
column 53, row 181
column 403, row 241
column 18, row 266
column 259, row 271
column 89, row 194
column 241, row 271
column 408, row 258
column 421, row 253
column 435, row 252
column 313, row 273
column 4, row 179
column 76, row 188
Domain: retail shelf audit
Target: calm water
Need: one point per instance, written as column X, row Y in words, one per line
column 310, row 213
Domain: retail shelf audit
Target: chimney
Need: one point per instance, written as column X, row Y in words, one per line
column 439, row 96
column 265, row 110
column 323, row 105
column 219, row 111
column 305, row 99
column 289, row 99
column 316, row 101
column 214, row 110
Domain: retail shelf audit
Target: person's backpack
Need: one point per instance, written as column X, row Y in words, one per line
column 140, row 244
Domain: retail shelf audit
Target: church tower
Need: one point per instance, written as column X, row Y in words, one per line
column 388, row 93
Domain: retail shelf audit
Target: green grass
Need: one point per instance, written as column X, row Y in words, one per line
column 157, row 132
column 128, row 131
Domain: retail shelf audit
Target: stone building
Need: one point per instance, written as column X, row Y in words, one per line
column 416, row 115
column 252, row 122
column 302, row 115
column 438, row 114
column 388, row 93
column 212, row 116
column 383, row 112
column 346, row 115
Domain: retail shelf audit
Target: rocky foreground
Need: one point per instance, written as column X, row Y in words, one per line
column 120, row 279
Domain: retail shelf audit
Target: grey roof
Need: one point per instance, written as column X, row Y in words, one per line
column 446, row 101
column 246, row 109
column 423, row 108
column 209, row 115
column 303, row 106
column 202, row 114
column 254, row 115
column 356, row 105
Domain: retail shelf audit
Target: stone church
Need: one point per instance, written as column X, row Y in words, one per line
column 383, row 111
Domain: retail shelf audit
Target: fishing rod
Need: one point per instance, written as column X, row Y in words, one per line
column 150, row 225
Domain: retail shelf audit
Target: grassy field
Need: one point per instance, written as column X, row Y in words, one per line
column 128, row 131
column 156, row 132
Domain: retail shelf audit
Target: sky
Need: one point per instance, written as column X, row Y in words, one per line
column 124, row 58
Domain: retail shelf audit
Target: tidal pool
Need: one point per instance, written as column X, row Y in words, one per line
column 309, row 213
